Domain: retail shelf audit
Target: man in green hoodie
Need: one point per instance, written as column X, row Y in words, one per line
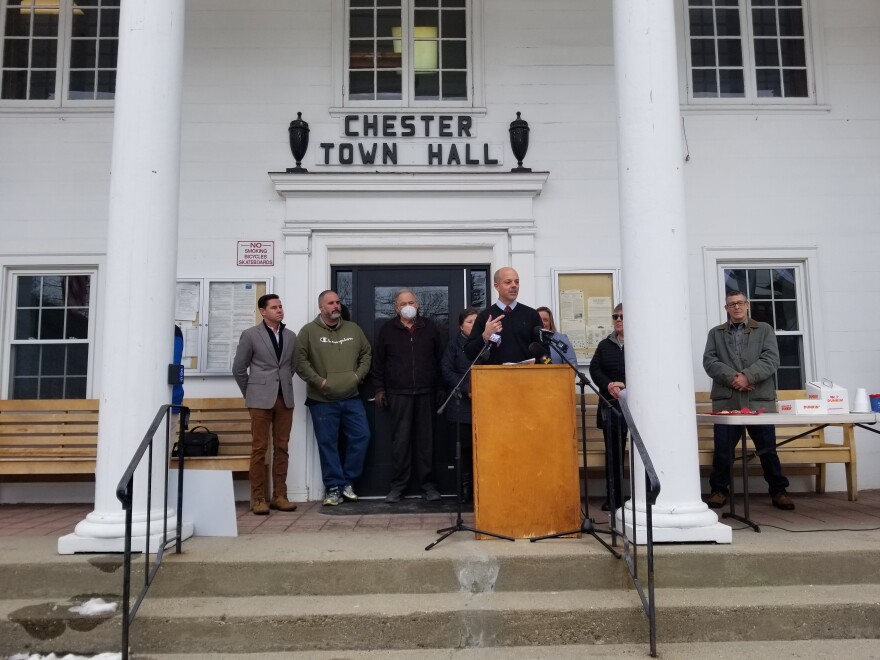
column 334, row 359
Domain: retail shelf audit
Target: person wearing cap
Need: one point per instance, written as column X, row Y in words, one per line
column 741, row 358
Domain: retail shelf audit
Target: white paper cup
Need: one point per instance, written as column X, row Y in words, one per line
column 861, row 403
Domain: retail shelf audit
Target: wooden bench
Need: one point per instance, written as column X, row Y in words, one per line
column 808, row 455
column 59, row 437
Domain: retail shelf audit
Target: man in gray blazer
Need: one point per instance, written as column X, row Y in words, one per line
column 264, row 364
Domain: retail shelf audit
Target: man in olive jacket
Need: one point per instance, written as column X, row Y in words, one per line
column 741, row 358
column 334, row 359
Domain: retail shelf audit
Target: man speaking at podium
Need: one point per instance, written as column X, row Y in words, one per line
column 507, row 325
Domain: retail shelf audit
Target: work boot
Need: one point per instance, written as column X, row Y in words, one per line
column 281, row 503
column 716, row 500
column 783, row 501
column 259, row 506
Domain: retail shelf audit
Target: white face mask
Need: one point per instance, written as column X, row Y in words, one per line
column 409, row 312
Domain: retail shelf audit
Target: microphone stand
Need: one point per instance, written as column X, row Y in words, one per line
column 459, row 525
column 588, row 525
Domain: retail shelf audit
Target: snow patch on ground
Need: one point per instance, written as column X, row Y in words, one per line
column 94, row 607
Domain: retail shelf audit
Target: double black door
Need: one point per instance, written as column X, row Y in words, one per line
column 368, row 293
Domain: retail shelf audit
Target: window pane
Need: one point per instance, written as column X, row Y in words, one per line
column 453, row 3
column 427, row 86
column 25, row 359
column 15, row 53
column 791, row 23
column 14, row 85
column 53, row 291
column 454, row 55
column 783, row 283
column 85, row 22
column 44, row 53
column 51, row 388
column 28, row 293
column 388, row 54
column 426, row 18
column 454, row 85
column 705, row 83
column 732, row 84
column 77, row 324
column 388, row 85
column 82, row 85
column 46, row 24
column 789, row 350
column 82, row 53
column 786, row 315
column 42, row 85
column 52, row 324
column 766, row 52
column 17, row 23
column 764, row 22
column 760, row 284
column 361, row 55
column 108, row 50
column 736, row 280
column 795, row 83
column 26, row 321
column 762, row 310
column 109, row 22
column 729, row 52
column 702, row 23
column 77, row 359
column 75, row 388
column 360, row 85
column 769, row 83
column 386, row 21
column 790, row 378
column 361, row 24
column 454, row 25
column 53, row 360
column 106, row 85
column 702, row 52
column 728, row 22
column 793, row 52
column 25, row 388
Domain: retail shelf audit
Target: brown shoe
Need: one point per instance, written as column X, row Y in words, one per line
column 783, row 501
column 281, row 503
column 259, row 506
column 716, row 500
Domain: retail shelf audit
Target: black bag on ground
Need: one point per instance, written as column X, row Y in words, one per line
column 198, row 443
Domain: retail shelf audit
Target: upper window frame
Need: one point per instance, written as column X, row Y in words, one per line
column 751, row 101
column 62, row 66
column 340, row 57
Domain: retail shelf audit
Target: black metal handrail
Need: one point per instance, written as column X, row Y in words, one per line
column 624, row 421
column 125, row 494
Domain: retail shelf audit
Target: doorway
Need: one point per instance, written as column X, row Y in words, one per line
column 368, row 294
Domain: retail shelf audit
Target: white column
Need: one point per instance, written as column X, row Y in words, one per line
column 138, row 312
column 655, row 277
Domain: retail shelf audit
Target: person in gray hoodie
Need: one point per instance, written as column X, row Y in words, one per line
column 334, row 359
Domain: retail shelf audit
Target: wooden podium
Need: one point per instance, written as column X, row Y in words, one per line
column 526, row 480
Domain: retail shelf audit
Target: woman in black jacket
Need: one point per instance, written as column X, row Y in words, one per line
column 459, row 411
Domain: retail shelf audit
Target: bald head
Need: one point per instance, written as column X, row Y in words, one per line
column 506, row 282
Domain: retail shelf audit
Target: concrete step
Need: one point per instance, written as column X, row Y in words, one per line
column 852, row 649
column 450, row 620
column 327, row 564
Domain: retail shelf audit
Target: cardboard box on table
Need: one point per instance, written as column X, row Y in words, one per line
column 802, row 407
column 526, row 474
column 834, row 396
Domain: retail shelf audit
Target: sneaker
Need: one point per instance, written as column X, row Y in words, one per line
column 716, row 500
column 393, row 497
column 349, row 494
column 259, row 506
column 432, row 495
column 332, row 497
column 281, row 503
column 783, row 501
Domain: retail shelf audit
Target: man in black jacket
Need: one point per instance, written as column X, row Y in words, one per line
column 406, row 373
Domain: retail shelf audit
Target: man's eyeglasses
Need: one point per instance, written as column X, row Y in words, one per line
column 617, row 317
column 741, row 303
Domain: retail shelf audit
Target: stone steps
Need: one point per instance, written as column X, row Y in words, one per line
column 311, row 593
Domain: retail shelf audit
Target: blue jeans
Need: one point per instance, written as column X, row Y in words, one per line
column 764, row 438
column 327, row 419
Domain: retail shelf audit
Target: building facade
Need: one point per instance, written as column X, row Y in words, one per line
column 409, row 105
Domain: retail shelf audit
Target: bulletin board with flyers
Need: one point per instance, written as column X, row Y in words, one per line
column 212, row 313
column 584, row 300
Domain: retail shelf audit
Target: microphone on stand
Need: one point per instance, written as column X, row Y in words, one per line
column 537, row 351
column 539, row 334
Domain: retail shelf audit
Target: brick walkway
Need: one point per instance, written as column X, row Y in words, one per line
column 827, row 512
